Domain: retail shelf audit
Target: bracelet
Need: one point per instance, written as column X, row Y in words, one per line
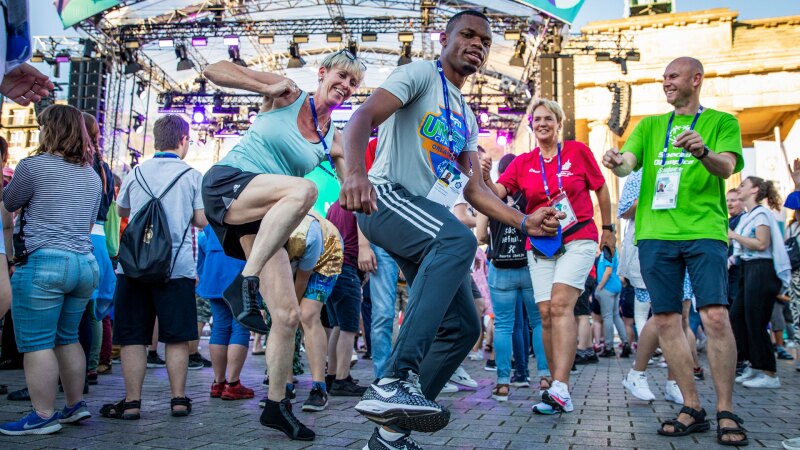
column 522, row 225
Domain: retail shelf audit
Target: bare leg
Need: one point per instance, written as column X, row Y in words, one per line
column 219, row 361
column 547, row 333
column 584, row 332
column 628, row 328
column 676, row 349
column 564, row 333
column 280, row 203
column 177, row 357
column 690, row 337
column 344, row 351
column 597, row 329
column 5, row 288
column 333, row 342
column 648, row 342
column 315, row 340
column 134, row 364
column 721, row 358
column 41, row 376
column 154, row 342
column 236, row 357
column 72, row 369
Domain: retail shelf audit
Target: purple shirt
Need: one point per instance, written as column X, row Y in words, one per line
column 345, row 221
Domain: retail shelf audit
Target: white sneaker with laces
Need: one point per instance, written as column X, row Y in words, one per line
column 763, row 381
column 747, row 374
column 636, row 383
column 475, row 356
column 672, row 393
column 449, row 388
column 462, row 377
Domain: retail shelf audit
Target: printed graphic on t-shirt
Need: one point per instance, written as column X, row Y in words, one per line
column 674, row 154
column 433, row 131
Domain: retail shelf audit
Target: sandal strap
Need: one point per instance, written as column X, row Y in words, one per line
column 698, row 416
column 677, row 425
column 730, row 416
column 180, row 401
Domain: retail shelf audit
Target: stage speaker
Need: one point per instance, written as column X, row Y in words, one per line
column 620, row 107
column 87, row 87
column 557, row 74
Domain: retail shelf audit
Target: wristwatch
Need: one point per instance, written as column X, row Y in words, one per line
column 612, row 228
column 705, row 152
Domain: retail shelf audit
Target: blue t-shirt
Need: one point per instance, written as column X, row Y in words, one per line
column 613, row 284
column 215, row 270
column 314, row 248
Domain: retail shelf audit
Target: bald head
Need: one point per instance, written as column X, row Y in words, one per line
column 683, row 79
column 693, row 65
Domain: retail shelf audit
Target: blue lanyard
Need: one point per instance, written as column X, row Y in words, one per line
column 321, row 137
column 558, row 174
column 165, row 155
column 666, row 139
column 447, row 113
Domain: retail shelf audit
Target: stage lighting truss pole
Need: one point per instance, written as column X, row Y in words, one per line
column 337, row 17
column 616, row 44
column 146, row 108
column 113, row 105
column 134, row 158
column 266, row 59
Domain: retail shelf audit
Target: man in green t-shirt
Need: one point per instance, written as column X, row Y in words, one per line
column 681, row 223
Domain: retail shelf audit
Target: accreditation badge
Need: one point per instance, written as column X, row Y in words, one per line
column 561, row 203
column 665, row 195
column 448, row 187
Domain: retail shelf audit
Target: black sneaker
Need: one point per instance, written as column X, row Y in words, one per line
column 347, row 388
column 377, row 442
column 196, row 362
column 592, row 358
column 581, row 359
column 626, row 351
column 329, row 379
column 607, row 353
column 699, row 375
column 279, row 416
column 393, row 401
column 740, row 366
column 291, row 394
column 317, row 400
column 154, row 361
column 491, row 365
column 242, row 299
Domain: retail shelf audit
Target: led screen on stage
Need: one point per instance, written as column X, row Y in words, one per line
column 73, row 11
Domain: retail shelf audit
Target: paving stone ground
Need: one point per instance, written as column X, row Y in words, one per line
column 605, row 415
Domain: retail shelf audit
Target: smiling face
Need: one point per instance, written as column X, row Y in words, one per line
column 746, row 190
column 545, row 124
column 336, row 85
column 734, row 203
column 466, row 44
column 682, row 80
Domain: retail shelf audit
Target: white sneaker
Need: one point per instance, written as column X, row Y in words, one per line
column 663, row 363
column 763, row 381
column 701, row 343
column 449, row 388
column 462, row 377
column 672, row 393
column 747, row 374
column 791, row 343
column 636, row 383
column 475, row 356
column 791, row 444
column 558, row 394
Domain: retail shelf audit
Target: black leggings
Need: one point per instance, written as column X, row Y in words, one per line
column 751, row 313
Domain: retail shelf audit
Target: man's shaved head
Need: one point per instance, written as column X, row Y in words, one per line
column 694, row 65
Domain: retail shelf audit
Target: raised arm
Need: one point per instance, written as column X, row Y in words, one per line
column 270, row 85
column 357, row 193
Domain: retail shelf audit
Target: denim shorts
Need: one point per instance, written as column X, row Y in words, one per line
column 51, row 291
column 226, row 331
column 320, row 287
column 344, row 307
column 665, row 264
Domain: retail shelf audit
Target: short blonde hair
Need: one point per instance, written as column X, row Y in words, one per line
column 342, row 59
column 551, row 106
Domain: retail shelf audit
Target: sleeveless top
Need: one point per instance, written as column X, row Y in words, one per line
column 273, row 144
column 330, row 261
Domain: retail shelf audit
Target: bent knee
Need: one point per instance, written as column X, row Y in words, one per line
column 715, row 319
column 288, row 318
column 305, row 193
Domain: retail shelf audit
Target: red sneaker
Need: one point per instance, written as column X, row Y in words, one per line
column 237, row 392
column 217, row 389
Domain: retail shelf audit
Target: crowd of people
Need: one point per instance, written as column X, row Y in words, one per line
column 104, row 268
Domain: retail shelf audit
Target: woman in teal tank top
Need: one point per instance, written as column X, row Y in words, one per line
column 255, row 197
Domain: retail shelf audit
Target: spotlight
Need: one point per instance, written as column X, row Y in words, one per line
column 201, row 82
column 56, row 69
column 518, row 60
column 405, row 54
column 233, row 52
column 435, row 35
column 623, row 64
column 199, row 41
column 62, row 57
column 352, row 47
column 295, row 61
column 167, row 101
column 405, row 36
column 37, row 57
column 230, row 40
column 334, row 36
column 138, row 124
column 252, row 112
column 502, row 140
column 633, row 56
column 602, row 56
column 141, row 87
column 166, row 43
column 369, row 36
column 266, row 39
column 218, row 100
column 300, row 38
column 184, row 63
column 512, row 35
column 484, row 118
column 199, row 114
column 131, row 65
column 132, row 43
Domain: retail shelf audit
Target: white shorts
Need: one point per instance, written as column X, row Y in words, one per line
column 572, row 268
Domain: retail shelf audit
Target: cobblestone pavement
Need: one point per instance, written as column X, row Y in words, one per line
column 605, row 416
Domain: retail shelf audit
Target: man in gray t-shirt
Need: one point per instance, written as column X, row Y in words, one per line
column 426, row 156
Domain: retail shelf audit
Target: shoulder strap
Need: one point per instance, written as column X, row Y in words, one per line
column 175, row 180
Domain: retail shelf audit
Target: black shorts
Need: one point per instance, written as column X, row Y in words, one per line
column 137, row 305
column 626, row 299
column 221, row 186
column 344, row 304
column 582, row 305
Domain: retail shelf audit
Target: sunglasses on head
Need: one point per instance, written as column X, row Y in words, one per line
column 352, row 57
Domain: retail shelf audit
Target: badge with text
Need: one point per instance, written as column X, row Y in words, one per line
column 562, row 204
column 665, row 195
column 448, row 187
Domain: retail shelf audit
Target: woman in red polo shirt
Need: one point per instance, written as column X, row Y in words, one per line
column 560, row 174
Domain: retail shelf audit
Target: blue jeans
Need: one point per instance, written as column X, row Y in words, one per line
column 383, row 292
column 226, row 331
column 521, row 340
column 507, row 286
column 50, row 294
